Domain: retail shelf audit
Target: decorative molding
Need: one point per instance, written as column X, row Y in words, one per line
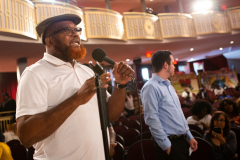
column 18, row 17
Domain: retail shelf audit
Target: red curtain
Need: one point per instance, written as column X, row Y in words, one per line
column 8, row 84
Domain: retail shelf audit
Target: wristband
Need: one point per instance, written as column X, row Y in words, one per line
column 120, row 86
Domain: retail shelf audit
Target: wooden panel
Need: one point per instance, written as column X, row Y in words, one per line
column 141, row 26
column 234, row 17
column 18, row 16
column 51, row 8
column 103, row 23
column 176, row 25
column 211, row 23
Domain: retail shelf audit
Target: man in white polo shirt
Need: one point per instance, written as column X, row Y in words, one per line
column 57, row 109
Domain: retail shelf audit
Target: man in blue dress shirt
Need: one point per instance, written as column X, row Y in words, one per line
column 163, row 113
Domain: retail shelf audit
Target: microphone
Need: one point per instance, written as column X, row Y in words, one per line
column 99, row 55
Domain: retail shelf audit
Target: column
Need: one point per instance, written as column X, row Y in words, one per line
column 180, row 8
column 143, row 5
column 21, row 65
column 108, row 5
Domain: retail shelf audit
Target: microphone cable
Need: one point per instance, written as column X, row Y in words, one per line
column 140, row 116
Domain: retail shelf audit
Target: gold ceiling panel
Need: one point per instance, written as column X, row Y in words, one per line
column 103, row 23
column 211, row 23
column 18, row 17
column 45, row 9
column 141, row 26
column 176, row 25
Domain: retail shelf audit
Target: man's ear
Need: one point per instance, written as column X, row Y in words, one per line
column 48, row 41
column 165, row 66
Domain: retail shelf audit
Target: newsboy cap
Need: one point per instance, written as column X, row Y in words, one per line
column 41, row 26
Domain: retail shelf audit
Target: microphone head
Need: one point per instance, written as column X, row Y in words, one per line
column 98, row 54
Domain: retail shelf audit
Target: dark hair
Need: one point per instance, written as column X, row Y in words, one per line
column 227, row 127
column 229, row 102
column 159, row 58
column 199, row 105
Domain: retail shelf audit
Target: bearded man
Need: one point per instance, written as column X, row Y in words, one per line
column 57, row 109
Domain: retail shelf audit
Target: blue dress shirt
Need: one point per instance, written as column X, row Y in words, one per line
column 162, row 111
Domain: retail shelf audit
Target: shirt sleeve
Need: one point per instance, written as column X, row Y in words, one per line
column 189, row 136
column 31, row 95
column 150, row 99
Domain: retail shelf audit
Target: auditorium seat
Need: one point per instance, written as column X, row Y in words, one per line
column 123, row 120
column 117, row 123
column 145, row 135
column 186, row 112
column 237, row 132
column 18, row 151
column 135, row 151
column 119, row 152
column 129, row 136
column 204, row 152
column 119, row 129
column 13, row 142
column 196, row 134
column 133, row 124
column 120, row 139
column 195, row 128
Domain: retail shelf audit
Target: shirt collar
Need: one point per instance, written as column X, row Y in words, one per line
column 54, row 60
column 160, row 80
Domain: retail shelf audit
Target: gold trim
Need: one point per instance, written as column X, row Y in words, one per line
column 138, row 13
column 233, row 8
column 30, row 35
column 174, row 14
column 52, row 2
column 88, row 9
column 207, row 12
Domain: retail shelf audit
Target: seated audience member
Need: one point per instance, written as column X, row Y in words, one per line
column 187, row 93
column 188, row 101
column 8, row 103
column 224, row 142
column 202, row 94
column 224, row 96
column 5, row 152
column 237, row 88
column 201, row 114
column 230, row 108
column 218, row 90
column 12, row 134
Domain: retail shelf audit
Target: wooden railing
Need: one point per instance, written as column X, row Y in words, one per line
column 103, row 23
column 211, row 23
column 18, row 17
column 175, row 25
column 234, row 17
column 4, row 121
column 141, row 26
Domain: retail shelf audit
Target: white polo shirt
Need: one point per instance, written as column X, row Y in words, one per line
column 46, row 84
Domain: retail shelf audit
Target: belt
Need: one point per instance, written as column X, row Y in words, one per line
column 182, row 136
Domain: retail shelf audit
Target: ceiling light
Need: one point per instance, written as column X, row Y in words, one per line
column 191, row 59
column 151, row 0
column 220, row 48
column 231, row 42
column 191, row 49
column 176, row 59
column 203, row 5
column 127, row 60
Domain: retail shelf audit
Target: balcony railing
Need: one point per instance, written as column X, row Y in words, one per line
column 18, row 17
column 22, row 16
column 175, row 25
column 103, row 23
column 141, row 26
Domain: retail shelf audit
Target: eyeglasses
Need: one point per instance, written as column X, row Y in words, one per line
column 69, row 31
column 221, row 120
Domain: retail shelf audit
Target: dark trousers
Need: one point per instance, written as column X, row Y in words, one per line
column 179, row 150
